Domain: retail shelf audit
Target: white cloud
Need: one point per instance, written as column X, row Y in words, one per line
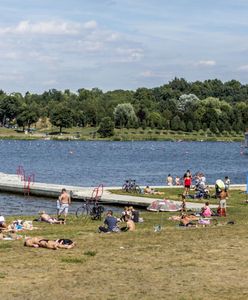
column 50, row 82
column 243, row 68
column 113, row 37
column 151, row 74
column 49, row 27
column 11, row 76
column 206, row 63
column 130, row 54
column 90, row 25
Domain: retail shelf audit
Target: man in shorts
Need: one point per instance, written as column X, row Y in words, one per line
column 65, row 201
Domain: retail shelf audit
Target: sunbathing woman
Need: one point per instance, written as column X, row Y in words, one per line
column 46, row 218
column 186, row 220
column 38, row 242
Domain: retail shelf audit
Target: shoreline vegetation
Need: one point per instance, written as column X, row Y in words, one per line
column 174, row 263
column 124, row 134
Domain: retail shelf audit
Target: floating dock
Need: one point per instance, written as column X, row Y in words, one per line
column 12, row 183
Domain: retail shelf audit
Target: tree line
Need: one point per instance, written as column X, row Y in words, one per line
column 178, row 105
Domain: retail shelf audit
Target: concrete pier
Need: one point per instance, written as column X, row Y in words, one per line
column 14, row 184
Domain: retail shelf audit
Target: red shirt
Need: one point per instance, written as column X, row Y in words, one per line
column 187, row 181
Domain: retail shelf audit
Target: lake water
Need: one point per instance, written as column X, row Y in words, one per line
column 110, row 163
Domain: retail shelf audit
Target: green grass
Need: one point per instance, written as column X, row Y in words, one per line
column 175, row 263
column 73, row 260
column 124, row 134
column 90, row 253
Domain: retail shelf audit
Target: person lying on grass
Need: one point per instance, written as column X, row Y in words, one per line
column 46, row 218
column 38, row 242
column 187, row 220
column 151, row 191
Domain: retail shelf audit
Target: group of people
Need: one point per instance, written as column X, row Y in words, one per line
column 171, row 181
column 129, row 216
column 221, row 193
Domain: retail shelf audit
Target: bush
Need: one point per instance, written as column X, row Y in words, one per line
column 106, row 128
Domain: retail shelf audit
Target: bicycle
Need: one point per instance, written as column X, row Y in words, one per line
column 130, row 186
column 90, row 205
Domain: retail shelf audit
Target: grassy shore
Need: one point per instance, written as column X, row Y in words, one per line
column 176, row 263
column 90, row 133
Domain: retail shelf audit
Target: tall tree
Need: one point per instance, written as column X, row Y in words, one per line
column 61, row 116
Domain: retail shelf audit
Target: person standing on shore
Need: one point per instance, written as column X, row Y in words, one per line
column 169, row 180
column 227, row 182
column 65, row 201
column 187, row 184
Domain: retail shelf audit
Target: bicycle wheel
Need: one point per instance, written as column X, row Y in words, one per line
column 137, row 189
column 100, row 212
column 96, row 212
column 82, row 211
column 125, row 187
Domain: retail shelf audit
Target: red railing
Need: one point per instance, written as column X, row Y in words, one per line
column 27, row 180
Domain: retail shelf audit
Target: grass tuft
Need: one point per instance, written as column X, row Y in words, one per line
column 73, row 260
column 90, row 253
column 5, row 246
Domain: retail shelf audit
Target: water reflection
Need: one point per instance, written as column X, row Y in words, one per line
column 11, row 204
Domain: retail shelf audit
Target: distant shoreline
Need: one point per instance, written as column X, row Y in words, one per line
column 90, row 134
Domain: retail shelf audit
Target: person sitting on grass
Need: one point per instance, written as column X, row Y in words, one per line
column 147, row 190
column 130, row 225
column 38, row 242
column 46, row 218
column 206, row 211
column 110, row 223
column 3, row 225
column 134, row 214
column 124, row 213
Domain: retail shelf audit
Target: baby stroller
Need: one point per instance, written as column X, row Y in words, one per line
column 201, row 191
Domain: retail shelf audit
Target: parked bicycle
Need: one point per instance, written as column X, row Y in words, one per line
column 130, row 186
column 90, row 206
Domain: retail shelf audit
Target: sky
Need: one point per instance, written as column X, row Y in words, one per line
column 120, row 44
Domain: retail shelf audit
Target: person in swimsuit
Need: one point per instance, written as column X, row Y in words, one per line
column 46, row 218
column 65, row 201
column 38, row 242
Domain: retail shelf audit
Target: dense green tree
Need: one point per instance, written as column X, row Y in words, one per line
column 10, row 107
column 155, row 119
column 186, row 101
column 106, row 128
column 124, row 115
column 61, row 116
column 28, row 115
column 175, row 123
column 190, row 126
